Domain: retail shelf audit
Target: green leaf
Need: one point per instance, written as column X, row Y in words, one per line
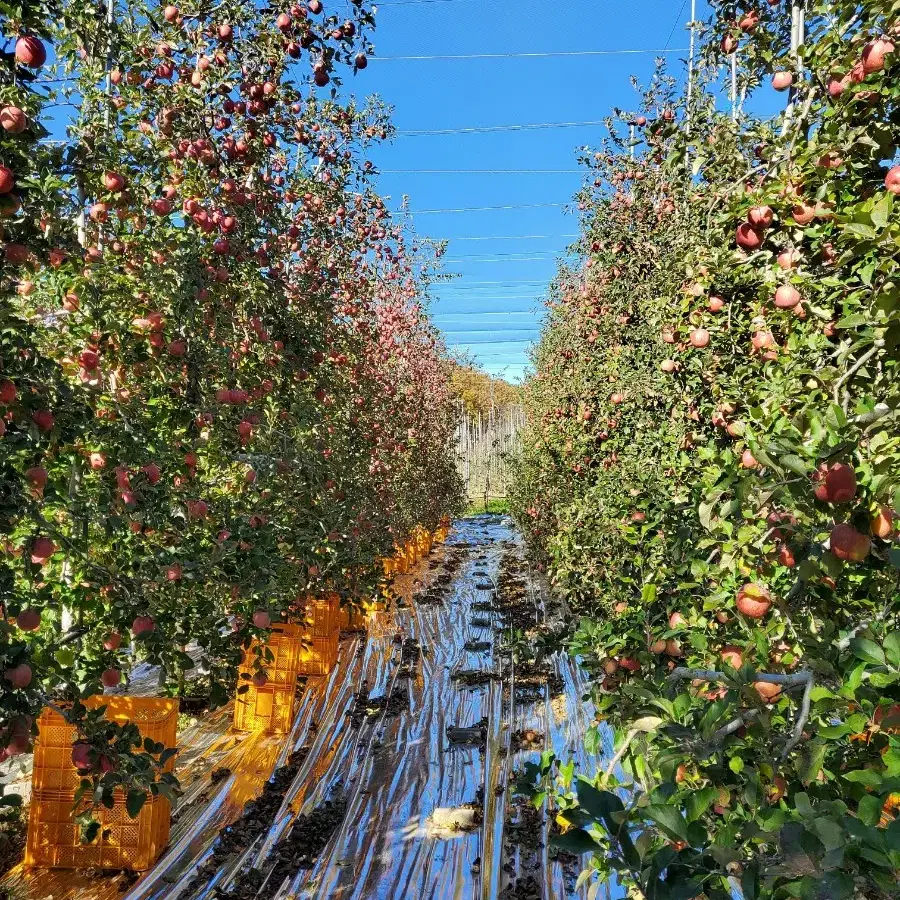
column 669, row 819
column 90, row 831
column 647, row 723
column 795, row 464
column 599, row 804
column 869, row 810
column 892, row 648
column 863, row 231
column 810, row 763
column 833, row 732
column 698, row 802
column 868, row 651
column 836, row 886
column 881, row 211
column 576, row 840
column 867, row 777
column 134, row 802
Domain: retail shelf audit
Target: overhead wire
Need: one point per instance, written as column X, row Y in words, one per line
column 466, row 209
column 480, row 171
column 512, row 237
column 544, row 54
column 486, row 129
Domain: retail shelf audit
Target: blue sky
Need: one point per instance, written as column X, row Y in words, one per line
column 504, row 257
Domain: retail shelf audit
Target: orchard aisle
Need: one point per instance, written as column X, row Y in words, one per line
column 396, row 779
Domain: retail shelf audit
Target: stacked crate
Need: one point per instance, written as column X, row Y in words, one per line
column 54, row 838
column 320, row 618
column 270, row 707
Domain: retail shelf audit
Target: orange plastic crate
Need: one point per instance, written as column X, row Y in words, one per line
column 320, row 615
column 285, row 643
column 401, row 561
column 270, row 708
column 54, row 839
column 411, row 553
column 352, row 618
column 265, row 709
column 156, row 718
column 320, row 657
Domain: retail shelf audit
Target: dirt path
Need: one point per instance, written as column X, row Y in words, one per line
column 396, row 780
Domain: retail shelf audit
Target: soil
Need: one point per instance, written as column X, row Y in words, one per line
column 367, row 707
column 256, row 818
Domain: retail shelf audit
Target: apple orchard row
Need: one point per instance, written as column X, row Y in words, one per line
column 220, row 392
column 711, row 471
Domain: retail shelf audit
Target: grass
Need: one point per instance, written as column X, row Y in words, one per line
column 498, row 506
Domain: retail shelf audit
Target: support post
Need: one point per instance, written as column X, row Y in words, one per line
column 734, row 87
column 690, row 87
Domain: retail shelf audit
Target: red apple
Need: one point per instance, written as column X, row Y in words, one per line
column 781, row 81
column 112, row 641
column 748, row 460
column 848, row 544
column 81, row 755
column 111, row 678
column 734, row 656
column 29, row 620
column 787, row 296
column 700, row 337
column 892, row 180
column 673, row 648
column 753, row 600
column 769, row 693
column 7, row 179
column 760, row 217
column 30, row 51
column 19, row 676
column 113, row 182
column 837, row 84
column 143, row 625
column 42, row 548
column 43, row 418
column 836, row 483
column 13, row 119
column 874, row 53
column 37, row 476
column 789, row 259
column 803, row 213
column 261, row 619
column 749, row 237
column 152, row 471
column 259, row 679
column 883, row 523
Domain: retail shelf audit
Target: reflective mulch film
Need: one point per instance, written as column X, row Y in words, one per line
column 395, row 780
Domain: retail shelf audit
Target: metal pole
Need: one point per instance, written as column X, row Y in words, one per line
column 631, row 138
column 734, row 87
column 690, row 89
column 798, row 34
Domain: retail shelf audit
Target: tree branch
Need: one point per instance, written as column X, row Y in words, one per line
column 619, row 754
column 800, row 724
column 876, row 346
